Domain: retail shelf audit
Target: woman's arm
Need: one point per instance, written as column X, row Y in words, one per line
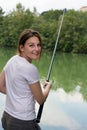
column 39, row 95
column 2, row 82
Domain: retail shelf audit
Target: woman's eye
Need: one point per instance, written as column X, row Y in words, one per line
column 31, row 45
column 39, row 45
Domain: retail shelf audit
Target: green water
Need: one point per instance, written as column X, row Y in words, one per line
column 66, row 106
column 69, row 70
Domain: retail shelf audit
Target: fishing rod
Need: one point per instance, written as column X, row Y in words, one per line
column 50, row 67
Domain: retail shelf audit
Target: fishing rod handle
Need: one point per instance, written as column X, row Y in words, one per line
column 39, row 113
column 40, row 110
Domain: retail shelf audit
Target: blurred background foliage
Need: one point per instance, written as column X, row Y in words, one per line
column 73, row 36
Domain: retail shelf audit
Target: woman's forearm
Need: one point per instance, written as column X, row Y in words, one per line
column 2, row 82
column 3, row 90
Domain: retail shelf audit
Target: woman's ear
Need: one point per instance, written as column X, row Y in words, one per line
column 21, row 48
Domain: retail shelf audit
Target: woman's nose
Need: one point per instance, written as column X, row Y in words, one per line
column 36, row 47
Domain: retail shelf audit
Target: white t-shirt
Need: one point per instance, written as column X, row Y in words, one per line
column 19, row 73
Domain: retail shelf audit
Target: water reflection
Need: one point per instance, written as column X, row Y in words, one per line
column 62, row 111
column 65, row 111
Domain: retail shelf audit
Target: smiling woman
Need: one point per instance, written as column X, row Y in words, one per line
column 21, row 79
column 30, row 48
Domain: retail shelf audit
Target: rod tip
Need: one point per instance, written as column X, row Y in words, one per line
column 65, row 10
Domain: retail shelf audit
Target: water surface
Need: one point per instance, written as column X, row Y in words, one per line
column 66, row 106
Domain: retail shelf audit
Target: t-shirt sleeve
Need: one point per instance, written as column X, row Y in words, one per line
column 6, row 67
column 32, row 75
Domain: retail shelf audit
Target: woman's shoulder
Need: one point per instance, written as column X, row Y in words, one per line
column 13, row 58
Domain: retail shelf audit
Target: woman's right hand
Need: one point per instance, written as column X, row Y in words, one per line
column 47, row 87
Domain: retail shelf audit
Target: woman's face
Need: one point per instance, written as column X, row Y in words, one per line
column 31, row 49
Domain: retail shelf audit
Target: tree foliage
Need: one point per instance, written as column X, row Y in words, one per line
column 73, row 36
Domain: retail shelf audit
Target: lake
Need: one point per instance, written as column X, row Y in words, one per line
column 66, row 105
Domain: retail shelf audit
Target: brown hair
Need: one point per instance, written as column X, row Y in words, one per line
column 25, row 35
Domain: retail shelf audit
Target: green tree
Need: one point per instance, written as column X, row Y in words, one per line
column 14, row 23
column 1, row 24
column 72, row 36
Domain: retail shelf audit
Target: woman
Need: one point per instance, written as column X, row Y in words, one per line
column 22, row 83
